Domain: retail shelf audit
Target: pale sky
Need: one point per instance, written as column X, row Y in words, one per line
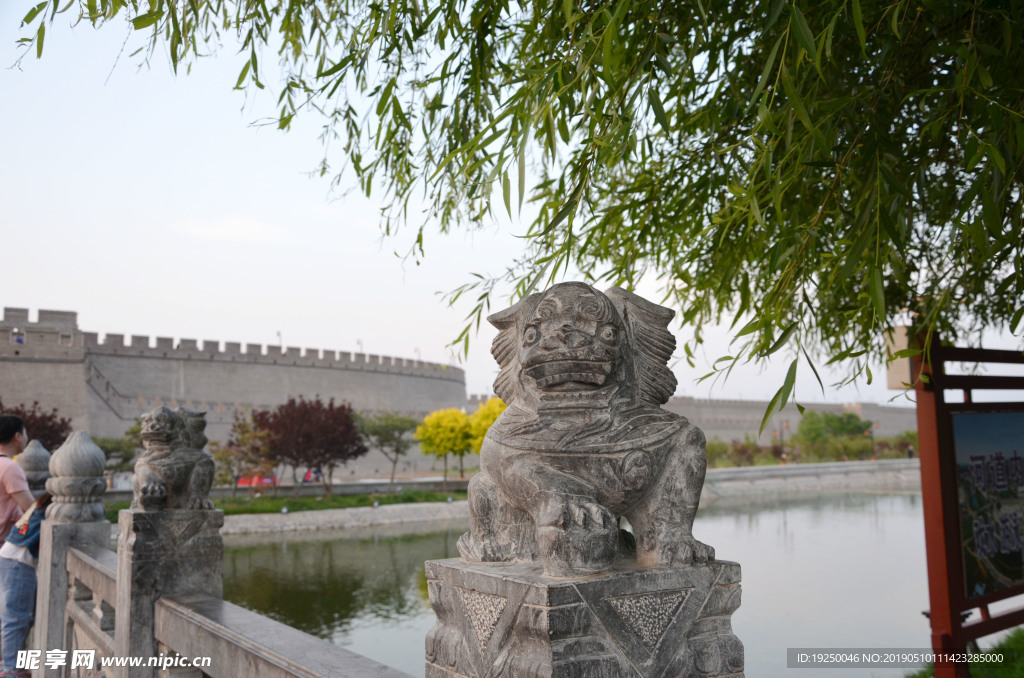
column 150, row 204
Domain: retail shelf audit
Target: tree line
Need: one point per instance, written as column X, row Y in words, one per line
column 313, row 434
column 820, row 437
column 322, row 436
column 301, row 433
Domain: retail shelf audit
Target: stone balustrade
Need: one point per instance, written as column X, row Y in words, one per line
column 92, row 594
column 157, row 596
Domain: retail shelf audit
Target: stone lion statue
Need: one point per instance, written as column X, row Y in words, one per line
column 584, row 440
column 174, row 471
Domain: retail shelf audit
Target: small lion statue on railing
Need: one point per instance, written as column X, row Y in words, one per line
column 174, row 471
column 584, row 440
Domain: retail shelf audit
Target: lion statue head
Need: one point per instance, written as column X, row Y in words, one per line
column 164, row 427
column 573, row 339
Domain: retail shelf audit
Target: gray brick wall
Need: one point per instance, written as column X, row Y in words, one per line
column 104, row 385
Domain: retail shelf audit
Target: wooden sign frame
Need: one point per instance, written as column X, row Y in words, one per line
column 944, row 542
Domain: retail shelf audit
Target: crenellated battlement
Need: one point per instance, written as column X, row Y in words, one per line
column 47, row 320
column 53, row 335
column 210, row 349
column 56, row 331
column 474, row 401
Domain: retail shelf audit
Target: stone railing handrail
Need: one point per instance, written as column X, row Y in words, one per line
column 96, row 568
column 233, row 637
column 92, row 573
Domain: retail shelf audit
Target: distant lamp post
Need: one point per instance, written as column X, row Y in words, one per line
column 785, row 427
column 359, row 343
column 870, row 434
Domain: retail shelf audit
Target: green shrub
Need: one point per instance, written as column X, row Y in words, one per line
column 718, row 453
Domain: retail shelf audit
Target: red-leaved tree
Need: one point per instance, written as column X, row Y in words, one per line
column 49, row 428
column 312, row 433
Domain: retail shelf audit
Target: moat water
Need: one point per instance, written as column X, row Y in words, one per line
column 838, row 571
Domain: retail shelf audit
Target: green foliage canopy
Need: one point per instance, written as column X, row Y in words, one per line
column 389, row 432
column 120, row 452
column 829, row 168
column 816, row 428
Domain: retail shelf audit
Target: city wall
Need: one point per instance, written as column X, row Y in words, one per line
column 104, row 383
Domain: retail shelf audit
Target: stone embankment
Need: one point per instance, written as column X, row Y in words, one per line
column 352, row 518
column 317, row 490
column 727, row 486
column 723, row 487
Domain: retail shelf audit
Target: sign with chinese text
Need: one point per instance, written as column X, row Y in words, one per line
column 990, row 493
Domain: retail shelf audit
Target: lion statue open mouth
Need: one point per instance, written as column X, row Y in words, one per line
column 584, row 440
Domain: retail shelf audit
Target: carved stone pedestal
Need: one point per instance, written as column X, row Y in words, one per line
column 507, row 619
column 162, row 553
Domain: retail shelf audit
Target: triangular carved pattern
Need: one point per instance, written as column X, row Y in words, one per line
column 648, row 615
column 174, row 536
column 484, row 610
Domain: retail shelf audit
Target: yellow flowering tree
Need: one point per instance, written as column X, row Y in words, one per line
column 445, row 432
column 481, row 420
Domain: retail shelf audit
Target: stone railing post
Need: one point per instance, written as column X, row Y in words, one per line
column 169, row 542
column 75, row 518
column 35, row 461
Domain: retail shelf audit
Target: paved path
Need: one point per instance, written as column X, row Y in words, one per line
column 727, row 486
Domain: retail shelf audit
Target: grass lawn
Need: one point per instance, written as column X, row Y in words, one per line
column 269, row 504
column 1012, row 665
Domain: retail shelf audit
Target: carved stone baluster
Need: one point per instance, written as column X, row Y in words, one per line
column 35, row 461
column 104, row 614
column 75, row 518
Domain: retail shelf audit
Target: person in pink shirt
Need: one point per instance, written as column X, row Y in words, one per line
column 15, row 498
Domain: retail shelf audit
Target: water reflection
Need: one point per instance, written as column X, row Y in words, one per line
column 354, row 592
column 830, row 571
column 840, row 571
